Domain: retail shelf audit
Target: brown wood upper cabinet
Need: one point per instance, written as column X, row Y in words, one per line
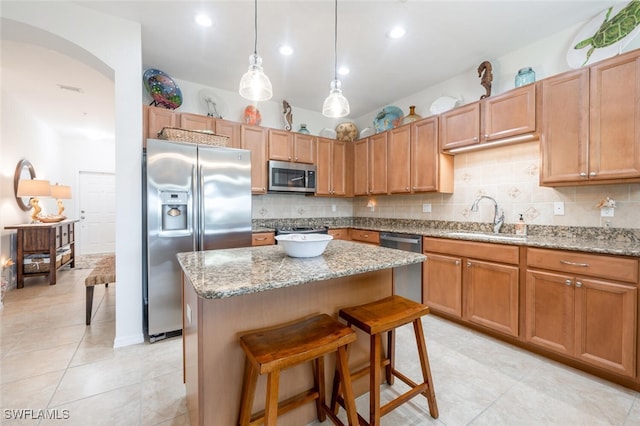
column 291, row 146
column 370, row 165
column 196, row 122
column 591, row 124
column 230, row 129
column 509, row 117
column 254, row 138
column 333, row 173
column 156, row 119
column 416, row 145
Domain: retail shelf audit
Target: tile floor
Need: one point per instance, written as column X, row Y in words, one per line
column 51, row 360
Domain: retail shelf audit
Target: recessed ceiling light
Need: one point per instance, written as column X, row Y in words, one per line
column 343, row 70
column 203, row 20
column 286, row 50
column 397, row 32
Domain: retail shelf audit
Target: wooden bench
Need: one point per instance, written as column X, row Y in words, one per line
column 103, row 273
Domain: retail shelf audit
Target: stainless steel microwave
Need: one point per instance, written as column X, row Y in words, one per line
column 291, row 177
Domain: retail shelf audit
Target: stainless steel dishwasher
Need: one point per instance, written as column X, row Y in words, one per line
column 407, row 280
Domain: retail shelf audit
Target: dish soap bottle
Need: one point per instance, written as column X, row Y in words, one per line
column 521, row 227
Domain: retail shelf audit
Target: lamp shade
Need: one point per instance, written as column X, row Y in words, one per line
column 61, row 192
column 255, row 85
column 335, row 105
column 34, row 188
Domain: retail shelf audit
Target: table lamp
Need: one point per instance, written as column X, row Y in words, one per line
column 60, row 192
column 34, row 188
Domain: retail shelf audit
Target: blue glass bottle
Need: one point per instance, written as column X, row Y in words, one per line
column 525, row 76
column 303, row 129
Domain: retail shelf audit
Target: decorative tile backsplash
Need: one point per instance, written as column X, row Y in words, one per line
column 509, row 174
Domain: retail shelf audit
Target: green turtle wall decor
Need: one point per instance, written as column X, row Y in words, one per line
column 612, row 30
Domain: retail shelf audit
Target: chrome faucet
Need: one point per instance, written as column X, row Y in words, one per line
column 497, row 220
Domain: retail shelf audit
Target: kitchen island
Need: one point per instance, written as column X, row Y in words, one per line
column 229, row 291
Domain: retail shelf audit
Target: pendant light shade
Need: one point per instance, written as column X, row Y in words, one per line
column 255, row 85
column 336, row 105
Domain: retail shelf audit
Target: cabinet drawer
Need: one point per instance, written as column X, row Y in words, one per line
column 486, row 251
column 262, row 239
column 339, row 234
column 36, row 240
column 594, row 265
column 372, row 237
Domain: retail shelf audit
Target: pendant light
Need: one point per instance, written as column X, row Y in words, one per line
column 336, row 105
column 255, row 85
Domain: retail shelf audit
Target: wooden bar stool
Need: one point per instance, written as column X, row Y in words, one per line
column 274, row 349
column 376, row 318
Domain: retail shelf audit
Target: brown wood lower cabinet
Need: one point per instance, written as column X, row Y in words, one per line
column 477, row 282
column 364, row 236
column 339, row 233
column 262, row 239
column 586, row 316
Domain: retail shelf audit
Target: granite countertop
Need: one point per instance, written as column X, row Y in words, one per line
column 217, row 274
column 574, row 243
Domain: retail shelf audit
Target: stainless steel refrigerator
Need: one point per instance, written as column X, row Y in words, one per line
column 197, row 197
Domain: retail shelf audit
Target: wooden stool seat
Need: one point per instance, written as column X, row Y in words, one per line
column 384, row 316
column 270, row 350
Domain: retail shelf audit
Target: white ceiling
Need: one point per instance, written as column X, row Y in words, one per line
column 444, row 38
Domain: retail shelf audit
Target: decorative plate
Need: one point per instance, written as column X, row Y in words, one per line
column 164, row 91
column 366, row 132
column 442, row 104
column 328, row 133
column 252, row 115
column 212, row 104
column 606, row 35
column 389, row 118
column 346, row 131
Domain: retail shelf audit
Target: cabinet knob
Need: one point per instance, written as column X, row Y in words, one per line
column 592, row 174
column 406, row 188
column 568, row 282
column 457, row 262
column 583, row 174
column 578, row 284
column 296, row 158
column 289, row 157
column 414, row 188
column 486, row 136
column 468, row 264
column 475, row 139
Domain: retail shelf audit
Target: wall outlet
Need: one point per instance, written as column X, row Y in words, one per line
column 333, row 207
column 606, row 212
column 558, row 208
column 426, row 208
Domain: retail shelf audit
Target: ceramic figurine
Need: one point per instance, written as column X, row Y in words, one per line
column 288, row 117
column 486, row 77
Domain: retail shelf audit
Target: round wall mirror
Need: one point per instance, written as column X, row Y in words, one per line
column 24, row 170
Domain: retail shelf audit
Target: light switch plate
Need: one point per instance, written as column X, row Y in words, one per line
column 426, row 208
column 333, row 207
column 558, row 208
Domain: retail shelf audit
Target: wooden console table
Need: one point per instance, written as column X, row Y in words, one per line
column 44, row 238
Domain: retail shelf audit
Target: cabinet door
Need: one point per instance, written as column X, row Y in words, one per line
column 378, row 163
column 614, row 151
column 361, row 167
column 549, row 316
column 424, row 167
column 254, row 139
column 197, row 122
column 304, row 148
column 460, row 126
column 442, row 283
column 491, row 295
column 339, row 167
column 564, row 138
column 399, row 170
column 157, row 119
column 510, row 114
column 230, row 129
column 606, row 325
column 324, row 169
column 280, row 145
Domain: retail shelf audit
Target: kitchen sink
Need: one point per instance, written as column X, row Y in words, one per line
column 493, row 237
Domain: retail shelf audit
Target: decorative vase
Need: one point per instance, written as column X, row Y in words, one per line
column 412, row 115
column 252, row 115
column 525, row 76
column 303, row 129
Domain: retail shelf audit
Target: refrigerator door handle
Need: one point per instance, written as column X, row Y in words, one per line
column 201, row 235
column 195, row 211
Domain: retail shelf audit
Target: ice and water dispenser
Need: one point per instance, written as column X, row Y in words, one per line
column 174, row 210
